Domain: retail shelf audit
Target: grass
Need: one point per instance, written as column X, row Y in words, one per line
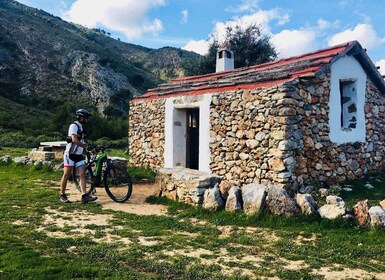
column 372, row 187
column 14, row 152
column 188, row 243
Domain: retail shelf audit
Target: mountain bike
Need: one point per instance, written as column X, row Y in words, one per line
column 102, row 171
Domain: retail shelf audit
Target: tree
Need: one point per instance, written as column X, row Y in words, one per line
column 249, row 45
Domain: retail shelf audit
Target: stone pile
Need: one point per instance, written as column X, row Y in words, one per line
column 187, row 185
column 212, row 193
column 366, row 214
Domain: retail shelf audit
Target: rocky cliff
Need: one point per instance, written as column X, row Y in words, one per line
column 46, row 62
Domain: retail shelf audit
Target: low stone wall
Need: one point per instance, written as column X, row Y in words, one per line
column 210, row 191
column 186, row 185
column 41, row 156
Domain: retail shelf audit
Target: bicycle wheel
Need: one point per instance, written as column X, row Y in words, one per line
column 117, row 183
column 76, row 179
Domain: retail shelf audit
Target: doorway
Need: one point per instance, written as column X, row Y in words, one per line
column 192, row 144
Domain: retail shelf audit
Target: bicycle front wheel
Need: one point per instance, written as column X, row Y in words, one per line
column 117, row 183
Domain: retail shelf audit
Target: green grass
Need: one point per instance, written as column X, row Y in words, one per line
column 263, row 246
column 360, row 191
column 14, row 152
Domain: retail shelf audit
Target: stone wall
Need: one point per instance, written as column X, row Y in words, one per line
column 277, row 135
column 146, row 133
column 320, row 160
column 249, row 135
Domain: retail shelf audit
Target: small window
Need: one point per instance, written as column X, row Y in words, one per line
column 348, row 92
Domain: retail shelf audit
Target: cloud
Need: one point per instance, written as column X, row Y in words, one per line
column 261, row 18
column 364, row 33
column 201, row 47
column 324, row 24
column 245, row 6
column 295, row 42
column 184, row 16
column 381, row 63
column 125, row 16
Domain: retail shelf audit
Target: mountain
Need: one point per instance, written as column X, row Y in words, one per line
column 46, row 63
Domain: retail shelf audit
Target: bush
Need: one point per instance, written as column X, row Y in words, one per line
column 112, row 144
column 18, row 139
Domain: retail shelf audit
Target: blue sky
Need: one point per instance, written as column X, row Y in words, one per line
column 295, row 26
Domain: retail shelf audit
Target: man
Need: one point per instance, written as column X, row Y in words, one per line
column 73, row 156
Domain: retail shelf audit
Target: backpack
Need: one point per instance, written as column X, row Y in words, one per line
column 81, row 134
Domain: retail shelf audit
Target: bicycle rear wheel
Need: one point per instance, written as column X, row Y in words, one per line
column 76, row 179
column 117, row 183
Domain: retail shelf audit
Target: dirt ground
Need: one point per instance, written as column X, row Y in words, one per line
column 135, row 205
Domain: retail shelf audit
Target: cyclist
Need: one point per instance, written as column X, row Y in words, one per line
column 73, row 156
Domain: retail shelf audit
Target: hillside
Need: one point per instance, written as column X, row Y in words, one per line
column 47, row 63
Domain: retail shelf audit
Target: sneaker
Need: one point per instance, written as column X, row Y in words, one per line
column 88, row 198
column 64, row 198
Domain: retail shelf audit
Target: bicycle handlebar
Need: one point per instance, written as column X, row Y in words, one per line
column 95, row 148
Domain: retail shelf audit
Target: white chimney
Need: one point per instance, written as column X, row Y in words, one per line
column 225, row 59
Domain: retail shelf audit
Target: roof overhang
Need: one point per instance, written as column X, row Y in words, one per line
column 355, row 49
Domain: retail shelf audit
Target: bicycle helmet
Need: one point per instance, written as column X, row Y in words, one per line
column 83, row 113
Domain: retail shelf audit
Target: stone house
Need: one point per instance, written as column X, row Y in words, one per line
column 314, row 118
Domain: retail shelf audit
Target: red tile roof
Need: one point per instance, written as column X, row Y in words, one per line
column 264, row 75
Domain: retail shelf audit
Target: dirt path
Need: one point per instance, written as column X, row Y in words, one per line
column 136, row 204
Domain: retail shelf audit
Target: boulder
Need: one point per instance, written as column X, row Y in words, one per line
column 213, row 199
column 253, row 196
column 6, row 159
column 224, row 188
column 23, row 160
column 234, row 200
column 334, row 208
column 306, row 204
column 361, row 212
column 279, row 202
column 377, row 216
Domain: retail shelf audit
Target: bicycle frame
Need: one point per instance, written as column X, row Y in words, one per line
column 98, row 160
column 100, row 170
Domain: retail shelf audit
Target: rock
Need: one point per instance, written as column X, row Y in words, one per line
column 6, row 159
column 306, row 189
column 23, row 160
column 377, row 216
column 368, row 186
column 234, row 200
column 252, row 144
column 213, row 199
column 382, row 203
column 361, row 212
column 279, row 202
column 306, row 204
column 323, row 192
column 253, row 196
column 224, row 188
column 287, row 145
column 334, row 208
